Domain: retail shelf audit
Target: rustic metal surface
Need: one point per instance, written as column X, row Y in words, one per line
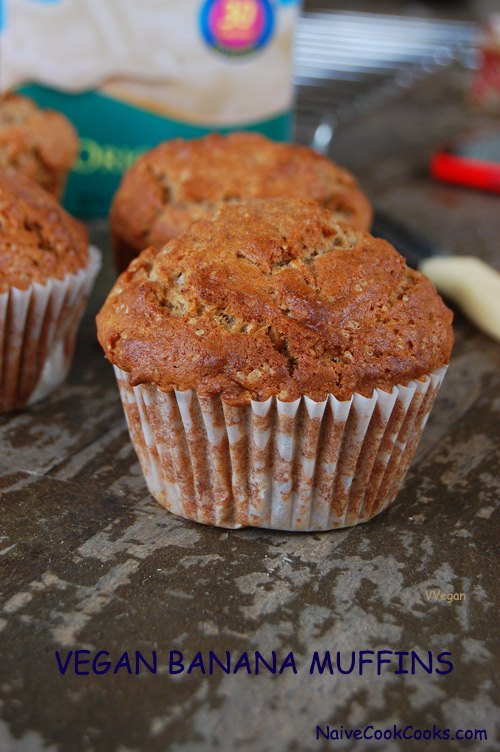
column 90, row 561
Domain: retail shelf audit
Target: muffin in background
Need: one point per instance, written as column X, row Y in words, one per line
column 39, row 144
column 178, row 182
column 276, row 368
column 46, row 273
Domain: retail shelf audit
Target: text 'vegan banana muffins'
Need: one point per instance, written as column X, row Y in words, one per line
column 276, row 368
column 40, row 144
column 46, row 273
column 178, row 182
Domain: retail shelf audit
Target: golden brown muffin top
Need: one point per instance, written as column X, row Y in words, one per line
column 180, row 181
column 38, row 239
column 274, row 298
column 28, row 131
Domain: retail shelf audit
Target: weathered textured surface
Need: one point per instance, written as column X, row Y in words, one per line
column 90, row 561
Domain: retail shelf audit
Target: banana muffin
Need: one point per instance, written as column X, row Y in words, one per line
column 39, row 240
column 46, row 273
column 276, row 368
column 40, row 144
column 179, row 181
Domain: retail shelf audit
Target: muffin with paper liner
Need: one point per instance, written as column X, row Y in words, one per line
column 276, row 368
column 46, row 273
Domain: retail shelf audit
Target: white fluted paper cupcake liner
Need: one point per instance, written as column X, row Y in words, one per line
column 300, row 465
column 38, row 328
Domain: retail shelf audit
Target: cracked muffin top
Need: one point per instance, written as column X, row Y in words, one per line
column 38, row 239
column 178, row 182
column 41, row 144
column 274, row 298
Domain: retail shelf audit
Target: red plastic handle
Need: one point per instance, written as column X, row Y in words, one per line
column 474, row 173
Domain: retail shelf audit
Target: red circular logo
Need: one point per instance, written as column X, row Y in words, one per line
column 237, row 27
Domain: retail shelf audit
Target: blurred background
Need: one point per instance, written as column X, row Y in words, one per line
column 352, row 56
column 381, row 86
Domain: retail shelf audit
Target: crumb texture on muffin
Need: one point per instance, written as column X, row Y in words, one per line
column 179, row 182
column 274, row 298
column 39, row 240
column 40, row 144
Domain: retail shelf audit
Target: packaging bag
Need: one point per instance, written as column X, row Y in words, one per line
column 130, row 74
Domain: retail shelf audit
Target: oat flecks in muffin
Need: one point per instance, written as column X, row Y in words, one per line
column 274, row 298
column 40, row 144
column 180, row 181
column 38, row 239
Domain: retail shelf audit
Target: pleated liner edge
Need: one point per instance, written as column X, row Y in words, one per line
column 300, row 465
column 38, row 328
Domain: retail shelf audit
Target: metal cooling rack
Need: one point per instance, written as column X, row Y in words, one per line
column 347, row 61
